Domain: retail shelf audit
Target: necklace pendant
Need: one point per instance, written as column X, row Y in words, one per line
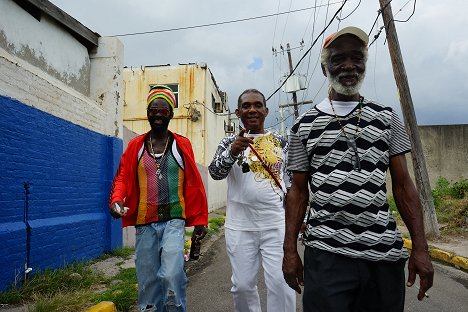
column 158, row 173
column 351, row 143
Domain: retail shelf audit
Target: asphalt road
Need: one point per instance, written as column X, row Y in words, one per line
column 209, row 286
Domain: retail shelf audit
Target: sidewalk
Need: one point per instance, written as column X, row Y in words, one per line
column 453, row 253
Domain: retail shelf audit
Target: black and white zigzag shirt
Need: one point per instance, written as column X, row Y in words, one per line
column 349, row 212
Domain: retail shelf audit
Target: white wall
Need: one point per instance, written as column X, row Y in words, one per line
column 44, row 44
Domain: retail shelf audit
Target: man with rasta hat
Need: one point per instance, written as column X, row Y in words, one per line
column 342, row 148
column 158, row 189
column 254, row 164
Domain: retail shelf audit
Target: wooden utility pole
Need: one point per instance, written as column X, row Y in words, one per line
column 419, row 164
column 296, row 111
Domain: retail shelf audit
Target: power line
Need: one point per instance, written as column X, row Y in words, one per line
column 217, row 23
column 306, row 93
column 286, row 23
column 394, row 20
column 310, row 49
column 342, row 19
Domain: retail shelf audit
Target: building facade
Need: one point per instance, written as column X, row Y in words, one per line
column 60, row 139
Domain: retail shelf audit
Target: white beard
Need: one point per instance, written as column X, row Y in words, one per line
column 335, row 84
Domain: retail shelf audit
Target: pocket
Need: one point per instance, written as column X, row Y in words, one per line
column 232, row 238
column 176, row 223
column 140, row 229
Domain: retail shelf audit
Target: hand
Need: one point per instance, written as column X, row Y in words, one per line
column 240, row 144
column 420, row 263
column 199, row 232
column 117, row 210
column 293, row 270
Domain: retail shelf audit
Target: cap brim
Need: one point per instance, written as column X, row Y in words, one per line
column 351, row 30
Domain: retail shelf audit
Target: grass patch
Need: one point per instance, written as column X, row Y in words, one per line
column 451, row 206
column 124, row 294
column 215, row 223
column 64, row 301
column 124, row 252
column 46, row 285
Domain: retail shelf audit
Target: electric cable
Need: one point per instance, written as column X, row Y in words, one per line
column 212, row 24
column 308, row 51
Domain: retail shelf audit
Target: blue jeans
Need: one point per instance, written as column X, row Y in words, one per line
column 160, row 266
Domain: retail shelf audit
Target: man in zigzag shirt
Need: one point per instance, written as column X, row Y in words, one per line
column 254, row 164
column 354, row 257
column 159, row 184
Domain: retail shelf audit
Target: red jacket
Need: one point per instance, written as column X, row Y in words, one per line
column 125, row 185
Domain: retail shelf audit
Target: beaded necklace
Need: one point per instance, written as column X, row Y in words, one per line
column 351, row 142
column 355, row 136
column 161, row 159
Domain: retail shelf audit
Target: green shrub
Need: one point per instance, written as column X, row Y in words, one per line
column 393, row 208
column 441, row 190
column 459, row 189
column 451, row 205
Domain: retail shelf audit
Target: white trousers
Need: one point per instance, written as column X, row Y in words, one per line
column 246, row 250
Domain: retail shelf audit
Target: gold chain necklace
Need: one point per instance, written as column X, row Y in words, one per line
column 352, row 142
column 158, row 164
column 349, row 140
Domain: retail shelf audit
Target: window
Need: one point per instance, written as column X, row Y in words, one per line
column 217, row 107
column 174, row 88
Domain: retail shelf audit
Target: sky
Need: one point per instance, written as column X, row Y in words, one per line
column 252, row 53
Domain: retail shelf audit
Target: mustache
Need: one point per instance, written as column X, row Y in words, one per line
column 354, row 73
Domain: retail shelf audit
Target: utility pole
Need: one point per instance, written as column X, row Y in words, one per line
column 296, row 111
column 419, row 164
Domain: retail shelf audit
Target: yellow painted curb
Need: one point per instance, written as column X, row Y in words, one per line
column 445, row 256
column 460, row 262
column 105, row 306
column 441, row 255
column 408, row 243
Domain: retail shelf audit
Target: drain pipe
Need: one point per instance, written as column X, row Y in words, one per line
column 27, row 269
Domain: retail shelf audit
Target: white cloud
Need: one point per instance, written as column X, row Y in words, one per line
column 432, row 44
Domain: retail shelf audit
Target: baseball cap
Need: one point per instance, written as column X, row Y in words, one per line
column 351, row 30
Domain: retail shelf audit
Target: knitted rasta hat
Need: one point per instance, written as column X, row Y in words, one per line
column 161, row 92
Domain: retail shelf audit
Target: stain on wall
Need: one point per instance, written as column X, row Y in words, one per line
column 79, row 82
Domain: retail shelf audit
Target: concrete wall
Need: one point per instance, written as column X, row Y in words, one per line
column 59, row 145
column 445, row 150
column 197, row 89
column 41, row 43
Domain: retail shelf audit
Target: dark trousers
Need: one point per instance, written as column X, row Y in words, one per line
column 335, row 283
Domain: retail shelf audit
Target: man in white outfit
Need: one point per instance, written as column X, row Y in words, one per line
column 254, row 164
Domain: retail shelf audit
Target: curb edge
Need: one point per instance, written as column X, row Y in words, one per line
column 445, row 256
column 103, row 306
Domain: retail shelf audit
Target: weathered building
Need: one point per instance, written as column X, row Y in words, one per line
column 60, row 138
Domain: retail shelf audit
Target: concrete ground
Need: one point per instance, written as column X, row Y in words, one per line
column 449, row 250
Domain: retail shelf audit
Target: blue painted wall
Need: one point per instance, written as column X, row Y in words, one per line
column 68, row 170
